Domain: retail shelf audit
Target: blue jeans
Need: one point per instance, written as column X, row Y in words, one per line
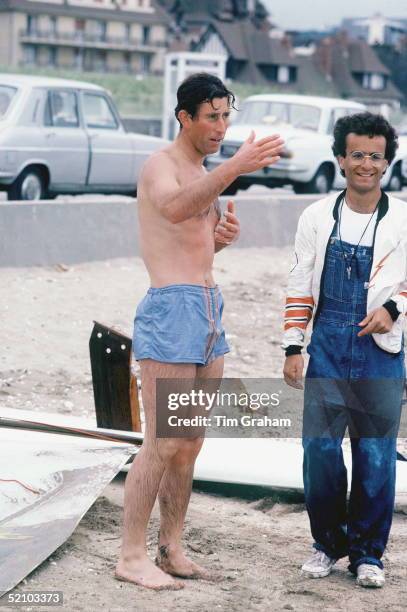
column 350, row 382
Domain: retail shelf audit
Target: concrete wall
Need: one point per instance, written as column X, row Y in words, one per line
column 6, row 51
column 47, row 233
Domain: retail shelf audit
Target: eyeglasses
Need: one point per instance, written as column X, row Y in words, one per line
column 358, row 157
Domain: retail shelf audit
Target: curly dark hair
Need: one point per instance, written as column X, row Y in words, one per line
column 199, row 88
column 364, row 124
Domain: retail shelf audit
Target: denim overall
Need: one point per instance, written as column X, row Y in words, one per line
column 338, row 357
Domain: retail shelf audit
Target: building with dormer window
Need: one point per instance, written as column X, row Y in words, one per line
column 356, row 72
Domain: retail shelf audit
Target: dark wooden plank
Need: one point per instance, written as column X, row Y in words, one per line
column 114, row 387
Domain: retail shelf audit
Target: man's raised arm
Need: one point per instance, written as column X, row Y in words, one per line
column 178, row 203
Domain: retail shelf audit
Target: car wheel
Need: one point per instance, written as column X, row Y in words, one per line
column 321, row 183
column 396, row 182
column 30, row 185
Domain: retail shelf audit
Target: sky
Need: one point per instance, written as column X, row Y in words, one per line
column 320, row 14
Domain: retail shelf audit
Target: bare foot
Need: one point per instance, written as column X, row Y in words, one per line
column 173, row 561
column 144, row 573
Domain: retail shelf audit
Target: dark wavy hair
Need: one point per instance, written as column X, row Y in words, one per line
column 199, row 88
column 364, row 124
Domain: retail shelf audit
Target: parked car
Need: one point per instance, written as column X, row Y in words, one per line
column 404, row 170
column 306, row 124
column 403, row 138
column 60, row 136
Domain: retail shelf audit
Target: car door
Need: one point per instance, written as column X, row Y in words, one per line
column 112, row 157
column 66, row 145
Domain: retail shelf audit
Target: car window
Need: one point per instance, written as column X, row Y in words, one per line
column 61, row 109
column 336, row 114
column 97, row 112
column 6, row 95
column 298, row 115
column 304, row 116
column 262, row 112
column 32, row 112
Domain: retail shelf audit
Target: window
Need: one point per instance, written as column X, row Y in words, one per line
column 61, row 109
column 53, row 25
column 145, row 64
column 146, row 35
column 283, row 74
column 30, row 54
column 99, row 59
column 31, row 24
column 80, row 26
column 304, row 117
column 97, row 112
column 377, row 81
column 98, row 29
column 78, row 59
column 373, row 80
column 336, row 114
column 262, row 112
column 127, row 61
column 6, row 96
column 297, row 115
column 52, row 56
column 31, row 114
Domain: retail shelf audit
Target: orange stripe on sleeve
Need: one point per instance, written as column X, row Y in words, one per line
column 304, row 312
column 300, row 300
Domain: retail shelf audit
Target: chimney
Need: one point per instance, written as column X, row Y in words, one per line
column 324, row 57
column 343, row 38
column 286, row 42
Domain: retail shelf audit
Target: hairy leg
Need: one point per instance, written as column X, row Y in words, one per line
column 175, row 492
column 143, row 481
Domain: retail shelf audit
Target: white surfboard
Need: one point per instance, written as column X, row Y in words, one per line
column 47, row 483
column 266, row 462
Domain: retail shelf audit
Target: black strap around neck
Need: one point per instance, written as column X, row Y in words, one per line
column 382, row 206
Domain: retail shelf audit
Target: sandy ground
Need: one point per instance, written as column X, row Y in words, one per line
column 255, row 540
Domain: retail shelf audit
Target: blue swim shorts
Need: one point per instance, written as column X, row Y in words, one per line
column 180, row 324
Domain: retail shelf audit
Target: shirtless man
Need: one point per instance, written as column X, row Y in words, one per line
column 178, row 330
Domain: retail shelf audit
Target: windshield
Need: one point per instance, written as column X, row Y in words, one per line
column 6, row 95
column 270, row 113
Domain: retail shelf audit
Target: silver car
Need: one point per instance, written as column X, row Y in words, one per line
column 65, row 137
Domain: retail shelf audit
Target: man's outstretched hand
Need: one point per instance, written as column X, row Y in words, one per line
column 228, row 228
column 254, row 155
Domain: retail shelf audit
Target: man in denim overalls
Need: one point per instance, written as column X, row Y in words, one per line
column 350, row 277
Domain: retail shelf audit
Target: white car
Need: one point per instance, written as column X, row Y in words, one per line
column 65, row 137
column 403, row 138
column 306, row 125
column 404, row 170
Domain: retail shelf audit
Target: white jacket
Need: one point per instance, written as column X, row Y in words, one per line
column 388, row 278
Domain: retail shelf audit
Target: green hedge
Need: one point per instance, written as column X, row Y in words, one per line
column 134, row 96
